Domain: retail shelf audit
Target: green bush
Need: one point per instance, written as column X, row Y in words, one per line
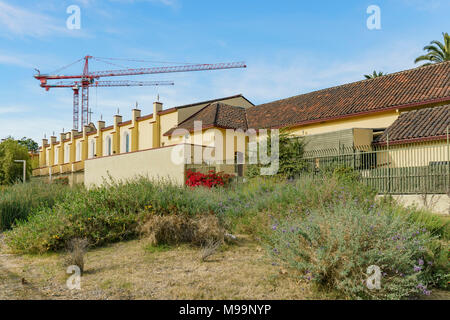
column 340, row 211
column 104, row 214
column 290, row 153
column 436, row 224
column 10, row 171
column 18, row 201
column 333, row 247
column 247, row 208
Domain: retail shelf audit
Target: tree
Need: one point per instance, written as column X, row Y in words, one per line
column 374, row 75
column 290, row 155
column 437, row 51
column 10, row 171
column 31, row 145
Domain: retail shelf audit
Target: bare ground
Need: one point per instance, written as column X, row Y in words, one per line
column 129, row 270
column 135, row 270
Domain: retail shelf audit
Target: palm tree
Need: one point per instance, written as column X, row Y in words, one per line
column 374, row 75
column 437, row 51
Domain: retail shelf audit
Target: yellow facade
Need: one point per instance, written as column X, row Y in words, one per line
column 377, row 120
column 68, row 155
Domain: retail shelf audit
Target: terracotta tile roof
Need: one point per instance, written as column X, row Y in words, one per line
column 422, row 124
column 398, row 90
column 218, row 114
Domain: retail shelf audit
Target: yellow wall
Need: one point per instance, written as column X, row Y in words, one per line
column 379, row 120
column 123, row 130
column 105, row 135
column 168, row 121
column 92, row 140
column 414, row 155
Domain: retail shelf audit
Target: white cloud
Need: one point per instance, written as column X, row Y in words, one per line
column 11, row 110
column 169, row 3
column 290, row 74
column 17, row 21
column 424, row 5
column 29, row 127
column 14, row 60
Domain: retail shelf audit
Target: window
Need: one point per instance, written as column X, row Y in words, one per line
column 92, row 155
column 78, row 155
column 127, row 142
column 108, row 146
column 56, row 156
column 67, row 154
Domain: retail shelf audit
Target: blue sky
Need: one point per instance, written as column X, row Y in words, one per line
column 290, row 47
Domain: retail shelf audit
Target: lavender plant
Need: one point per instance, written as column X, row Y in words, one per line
column 334, row 246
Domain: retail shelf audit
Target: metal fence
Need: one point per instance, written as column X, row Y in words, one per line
column 395, row 169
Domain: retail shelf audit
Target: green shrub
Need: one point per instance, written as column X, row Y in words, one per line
column 345, row 174
column 17, row 202
column 104, row 214
column 333, row 247
column 290, row 153
column 436, row 224
column 247, row 208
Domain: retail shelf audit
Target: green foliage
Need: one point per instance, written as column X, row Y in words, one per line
column 18, row 201
column 345, row 174
column 437, row 225
column 104, row 214
column 290, row 152
column 10, row 171
column 374, row 75
column 333, row 247
column 29, row 143
column 437, row 51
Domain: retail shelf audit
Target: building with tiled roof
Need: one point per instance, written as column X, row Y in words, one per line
column 404, row 107
column 429, row 124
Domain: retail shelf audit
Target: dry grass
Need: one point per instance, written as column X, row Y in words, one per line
column 76, row 250
column 177, row 229
column 210, row 249
column 128, row 270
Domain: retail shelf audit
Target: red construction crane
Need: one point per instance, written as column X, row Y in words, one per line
column 88, row 79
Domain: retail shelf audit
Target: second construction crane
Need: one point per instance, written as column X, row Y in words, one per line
column 90, row 79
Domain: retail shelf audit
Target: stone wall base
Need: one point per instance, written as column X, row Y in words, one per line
column 437, row 203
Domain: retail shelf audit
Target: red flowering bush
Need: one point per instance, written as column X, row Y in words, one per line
column 212, row 179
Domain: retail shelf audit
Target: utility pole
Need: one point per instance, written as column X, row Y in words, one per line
column 24, row 169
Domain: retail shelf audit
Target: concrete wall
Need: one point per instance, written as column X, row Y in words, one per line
column 153, row 163
column 437, row 203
